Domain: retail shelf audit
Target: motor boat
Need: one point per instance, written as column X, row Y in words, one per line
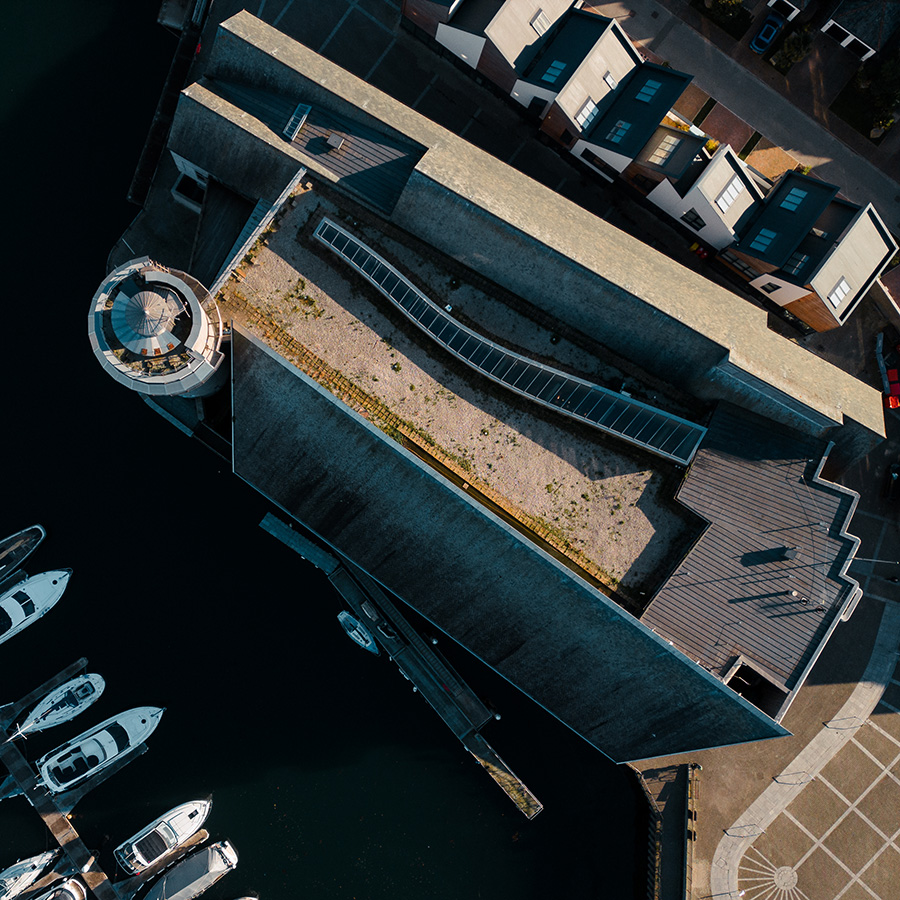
column 20, row 876
column 62, row 704
column 71, row 889
column 162, row 836
column 15, row 549
column 97, row 748
column 26, row 601
column 192, row 876
column 358, row 632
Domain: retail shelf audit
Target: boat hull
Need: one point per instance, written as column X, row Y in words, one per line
column 181, row 822
column 63, row 704
column 71, row 889
column 97, row 748
column 358, row 633
column 15, row 549
column 23, row 603
column 21, row 875
column 194, row 875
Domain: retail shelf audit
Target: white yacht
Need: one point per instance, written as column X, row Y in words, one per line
column 192, row 876
column 26, row 601
column 162, row 836
column 70, row 889
column 95, row 749
column 62, row 704
column 15, row 549
column 20, row 876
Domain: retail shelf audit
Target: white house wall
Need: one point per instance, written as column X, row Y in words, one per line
column 524, row 92
column 511, row 31
column 716, row 177
column 715, row 232
column 607, row 56
column 463, row 44
column 618, row 161
column 786, row 293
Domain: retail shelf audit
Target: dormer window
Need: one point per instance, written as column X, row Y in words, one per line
column 540, row 23
column 618, row 132
column 586, row 114
column 648, row 91
column 660, row 156
column 793, row 200
column 762, row 241
column 838, row 293
column 554, row 70
column 725, row 200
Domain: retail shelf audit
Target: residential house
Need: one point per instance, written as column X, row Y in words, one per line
column 811, row 251
column 863, row 26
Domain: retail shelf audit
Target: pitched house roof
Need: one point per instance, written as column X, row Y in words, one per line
column 628, row 116
column 871, row 21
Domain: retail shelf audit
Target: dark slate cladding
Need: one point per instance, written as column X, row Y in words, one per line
column 561, row 642
column 370, row 164
column 575, row 37
column 642, row 117
column 221, row 222
column 755, row 484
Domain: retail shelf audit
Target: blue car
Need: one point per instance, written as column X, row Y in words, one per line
column 769, row 31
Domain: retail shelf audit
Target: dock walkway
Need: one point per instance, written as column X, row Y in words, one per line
column 444, row 690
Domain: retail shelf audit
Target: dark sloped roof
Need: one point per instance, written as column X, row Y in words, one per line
column 642, row 117
column 789, row 225
column 563, row 643
column 569, row 45
column 872, row 21
column 369, row 163
column 223, row 217
column 757, row 486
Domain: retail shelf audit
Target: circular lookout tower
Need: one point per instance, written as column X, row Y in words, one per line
column 157, row 331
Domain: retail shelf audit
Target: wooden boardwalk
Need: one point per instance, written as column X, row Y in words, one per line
column 54, row 808
column 444, row 690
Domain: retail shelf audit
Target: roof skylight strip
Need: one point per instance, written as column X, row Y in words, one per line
column 608, row 411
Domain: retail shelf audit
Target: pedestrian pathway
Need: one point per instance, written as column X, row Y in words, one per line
column 729, row 858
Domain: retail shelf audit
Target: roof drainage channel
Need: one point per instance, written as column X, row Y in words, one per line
column 637, row 423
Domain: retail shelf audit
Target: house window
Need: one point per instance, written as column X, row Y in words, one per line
column 618, row 131
column 539, row 22
column 840, row 290
column 608, row 78
column 666, row 148
column 586, row 114
column 743, row 267
column 762, row 241
column 725, row 200
column 694, row 219
column 770, row 287
column 834, row 30
column 553, row 71
column 793, row 200
column 858, row 48
column 796, row 262
column 647, row 92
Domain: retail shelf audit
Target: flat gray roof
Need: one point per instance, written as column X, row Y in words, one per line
column 563, row 643
column 774, row 529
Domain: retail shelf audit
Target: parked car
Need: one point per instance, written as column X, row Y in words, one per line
column 767, row 33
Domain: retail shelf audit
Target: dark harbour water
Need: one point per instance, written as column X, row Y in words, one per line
column 330, row 776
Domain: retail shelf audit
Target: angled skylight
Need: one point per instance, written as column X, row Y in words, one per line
column 762, row 241
column 554, row 70
column 838, row 293
column 725, row 200
column 618, row 132
column 648, row 91
column 793, row 199
column 586, row 114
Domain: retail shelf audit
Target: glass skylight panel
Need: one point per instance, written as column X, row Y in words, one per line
column 611, row 81
column 725, row 200
column 618, row 132
column 796, row 262
column 666, row 148
column 762, row 241
column 539, row 22
column 554, row 70
column 615, row 413
column 586, row 114
column 648, row 91
column 840, row 290
column 793, row 200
